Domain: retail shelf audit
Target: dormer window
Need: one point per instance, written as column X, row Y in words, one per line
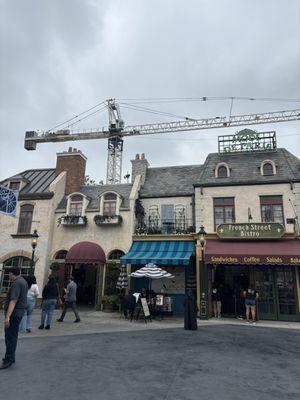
column 110, row 205
column 268, row 168
column 76, row 205
column 222, row 171
column 14, row 185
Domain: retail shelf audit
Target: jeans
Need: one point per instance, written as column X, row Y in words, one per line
column 11, row 338
column 48, row 307
column 26, row 322
column 69, row 304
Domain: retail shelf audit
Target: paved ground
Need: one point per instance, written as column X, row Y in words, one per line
column 133, row 361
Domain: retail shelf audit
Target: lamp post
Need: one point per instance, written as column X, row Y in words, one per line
column 203, row 276
column 34, row 239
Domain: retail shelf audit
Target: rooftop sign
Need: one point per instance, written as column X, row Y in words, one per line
column 260, row 230
column 247, row 140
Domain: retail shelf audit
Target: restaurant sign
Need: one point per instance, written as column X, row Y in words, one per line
column 259, row 230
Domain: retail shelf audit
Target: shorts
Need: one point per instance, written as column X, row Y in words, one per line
column 250, row 302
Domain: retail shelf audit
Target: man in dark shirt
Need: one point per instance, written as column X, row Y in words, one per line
column 14, row 308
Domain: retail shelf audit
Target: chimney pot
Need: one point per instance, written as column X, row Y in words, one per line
column 137, row 156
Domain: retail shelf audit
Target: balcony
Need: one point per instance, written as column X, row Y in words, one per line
column 72, row 220
column 165, row 227
column 108, row 220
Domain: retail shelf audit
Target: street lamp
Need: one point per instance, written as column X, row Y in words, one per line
column 34, row 239
column 203, row 276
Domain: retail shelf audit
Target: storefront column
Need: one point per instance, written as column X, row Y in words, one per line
column 297, row 273
column 100, row 285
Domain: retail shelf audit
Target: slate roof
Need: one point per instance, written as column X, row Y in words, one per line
column 94, row 193
column 245, row 168
column 171, row 181
column 38, row 180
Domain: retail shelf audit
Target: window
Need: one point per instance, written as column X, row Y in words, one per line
column 222, row 172
column 268, row 169
column 110, row 205
column 271, row 209
column 76, row 203
column 153, row 216
column 223, row 210
column 14, row 185
column 21, row 262
column 25, row 219
column 180, row 221
column 61, row 255
column 115, row 254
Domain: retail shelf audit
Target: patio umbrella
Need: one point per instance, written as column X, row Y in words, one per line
column 122, row 279
column 151, row 271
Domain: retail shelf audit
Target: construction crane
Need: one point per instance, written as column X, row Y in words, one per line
column 117, row 131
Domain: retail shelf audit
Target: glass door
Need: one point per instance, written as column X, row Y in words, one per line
column 264, row 284
column 286, row 294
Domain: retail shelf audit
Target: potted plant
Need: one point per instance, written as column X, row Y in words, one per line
column 109, row 302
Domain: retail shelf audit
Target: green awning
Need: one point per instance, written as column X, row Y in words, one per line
column 160, row 252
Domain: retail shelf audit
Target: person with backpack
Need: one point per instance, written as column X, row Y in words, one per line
column 251, row 296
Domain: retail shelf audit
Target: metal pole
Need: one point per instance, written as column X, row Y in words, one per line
column 203, row 288
column 32, row 262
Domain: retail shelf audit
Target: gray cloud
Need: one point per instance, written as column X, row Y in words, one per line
column 60, row 57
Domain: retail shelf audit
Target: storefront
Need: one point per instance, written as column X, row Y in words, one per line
column 176, row 257
column 271, row 267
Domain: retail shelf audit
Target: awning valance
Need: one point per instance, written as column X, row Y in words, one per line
column 86, row 253
column 284, row 252
column 159, row 252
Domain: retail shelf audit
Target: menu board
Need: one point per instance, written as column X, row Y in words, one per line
column 145, row 307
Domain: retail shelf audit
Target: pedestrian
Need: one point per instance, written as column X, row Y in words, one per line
column 216, row 297
column 32, row 294
column 129, row 304
column 70, row 300
column 190, row 318
column 251, row 297
column 14, row 309
column 50, row 296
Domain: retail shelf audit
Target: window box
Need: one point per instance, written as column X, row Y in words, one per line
column 72, row 220
column 102, row 220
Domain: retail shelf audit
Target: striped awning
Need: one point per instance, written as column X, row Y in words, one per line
column 159, row 252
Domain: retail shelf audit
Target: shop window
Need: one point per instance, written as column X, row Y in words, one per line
column 271, row 209
column 14, row 185
column 76, row 205
column 22, row 262
column 110, row 205
column 61, row 255
column 115, row 255
column 25, row 219
column 223, row 210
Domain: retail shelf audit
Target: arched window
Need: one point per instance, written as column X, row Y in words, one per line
column 76, row 205
column 25, row 218
column 268, row 169
column 110, row 204
column 61, row 255
column 115, row 254
column 22, row 262
column 222, row 172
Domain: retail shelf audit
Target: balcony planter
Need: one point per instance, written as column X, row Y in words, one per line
column 72, row 220
column 102, row 220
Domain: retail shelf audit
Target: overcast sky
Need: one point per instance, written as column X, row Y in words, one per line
column 61, row 57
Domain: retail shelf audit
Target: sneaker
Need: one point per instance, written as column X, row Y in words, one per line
column 47, row 327
column 253, row 322
column 59, row 320
column 41, row 326
column 248, row 322
column 77, row 320
column 28, row 330
column 6, row 364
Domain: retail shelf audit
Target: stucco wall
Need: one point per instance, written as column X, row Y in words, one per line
column 244, row 197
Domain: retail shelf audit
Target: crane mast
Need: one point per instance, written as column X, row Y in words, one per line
column 117, row 131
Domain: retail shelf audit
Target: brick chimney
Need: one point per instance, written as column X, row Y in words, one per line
column 73, row 162
column 139, row 167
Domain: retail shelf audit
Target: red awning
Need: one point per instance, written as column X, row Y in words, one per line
column 284, row 252
column 85, row 253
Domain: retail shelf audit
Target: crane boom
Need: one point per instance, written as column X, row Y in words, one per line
column 117, row 131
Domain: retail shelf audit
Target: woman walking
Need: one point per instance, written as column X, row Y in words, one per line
column 50, row 295
column 32, row 294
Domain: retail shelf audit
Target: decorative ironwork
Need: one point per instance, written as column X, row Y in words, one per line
column 247, row 140
column 102, row 220
column 68, row 220
column 157, row 226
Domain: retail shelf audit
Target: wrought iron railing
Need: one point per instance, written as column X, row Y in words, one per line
column 158, row 226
